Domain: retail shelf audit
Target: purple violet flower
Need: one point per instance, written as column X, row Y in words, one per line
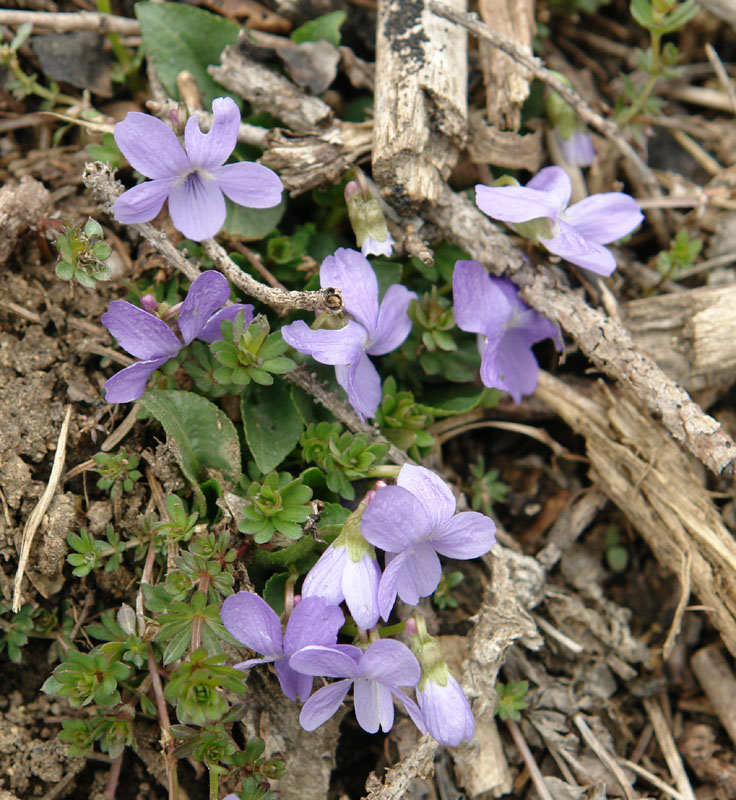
column 577, row 233
column 371, row 330
column 413, row 521
column 253, row 622
column 193, row 177
column 376, row 673
column 150, row 339
column 348, row 571
column 578, row 149
column 446, row 712
column 492, row 308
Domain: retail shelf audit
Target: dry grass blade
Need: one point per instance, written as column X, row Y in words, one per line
column 36, row 516
column 669, row 748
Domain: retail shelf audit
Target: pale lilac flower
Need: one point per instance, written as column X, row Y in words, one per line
column 337, row 577
column 193, row 177
column 578, row 232
column 253, row 622
column 492, row 308
column 371, row 330
column 378, row 247
column 376, row 674
column 446, row 712
column 414, row 521
column 577, row 149
column 150, row 339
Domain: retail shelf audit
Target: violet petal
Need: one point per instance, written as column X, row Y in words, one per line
column 555, row 183
column 351, row 273
column 293, row 684
column 150, row 146
column 467, row 535
column 323, row 704
column 570, row 245
column 395, row 520
column 250, row 619
column 374, row 705
column 130, row 383
column 325, row 577
column 434, row 495
column 390, row 662
column 394, row 322
column 143, row 202
column 362, row 383
column 604, row 218
column 250, row 185
column 412, row 709
column 209, row 292
column 211, row 331
column 197, row 207
column 140, row 333
column 341, row 346
column 420, row 574
column 330, row 662
column 480, row 305
column 360, row 586
column 313, row 621
column 446, row 712
column 517, row 365
column 208, row 150
column 514, row 203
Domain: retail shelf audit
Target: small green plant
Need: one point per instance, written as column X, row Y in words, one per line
column 14, row 631
column 82, row 254
column 511, row 699
column 401, row 421
column 486, row 489
column 181, row 525
column 249, row 354
column 434, row 316
column 658, row 17
column 276, row 504
column 84, row 678
column 442, row 596
column 119, row 471
column 681, row 255
column 198, row 686
column 344, row 457
column 617, row 556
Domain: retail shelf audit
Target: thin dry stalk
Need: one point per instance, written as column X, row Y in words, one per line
column 669, row 748
column 606, row 758
column 76, row 21
column 37, row 515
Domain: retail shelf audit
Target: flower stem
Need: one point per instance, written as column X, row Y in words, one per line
column 113, row 777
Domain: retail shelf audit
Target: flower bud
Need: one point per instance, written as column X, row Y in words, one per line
column 149, row 303
column 369, row 224
column 445, row 709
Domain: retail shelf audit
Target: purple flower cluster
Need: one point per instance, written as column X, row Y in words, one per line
column 577, row 233
column 150, row 339
column 371, row 329
column 412, row 522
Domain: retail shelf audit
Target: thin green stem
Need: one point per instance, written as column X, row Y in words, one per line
column 654, row 75
column 385, row 471
column 214, row 784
